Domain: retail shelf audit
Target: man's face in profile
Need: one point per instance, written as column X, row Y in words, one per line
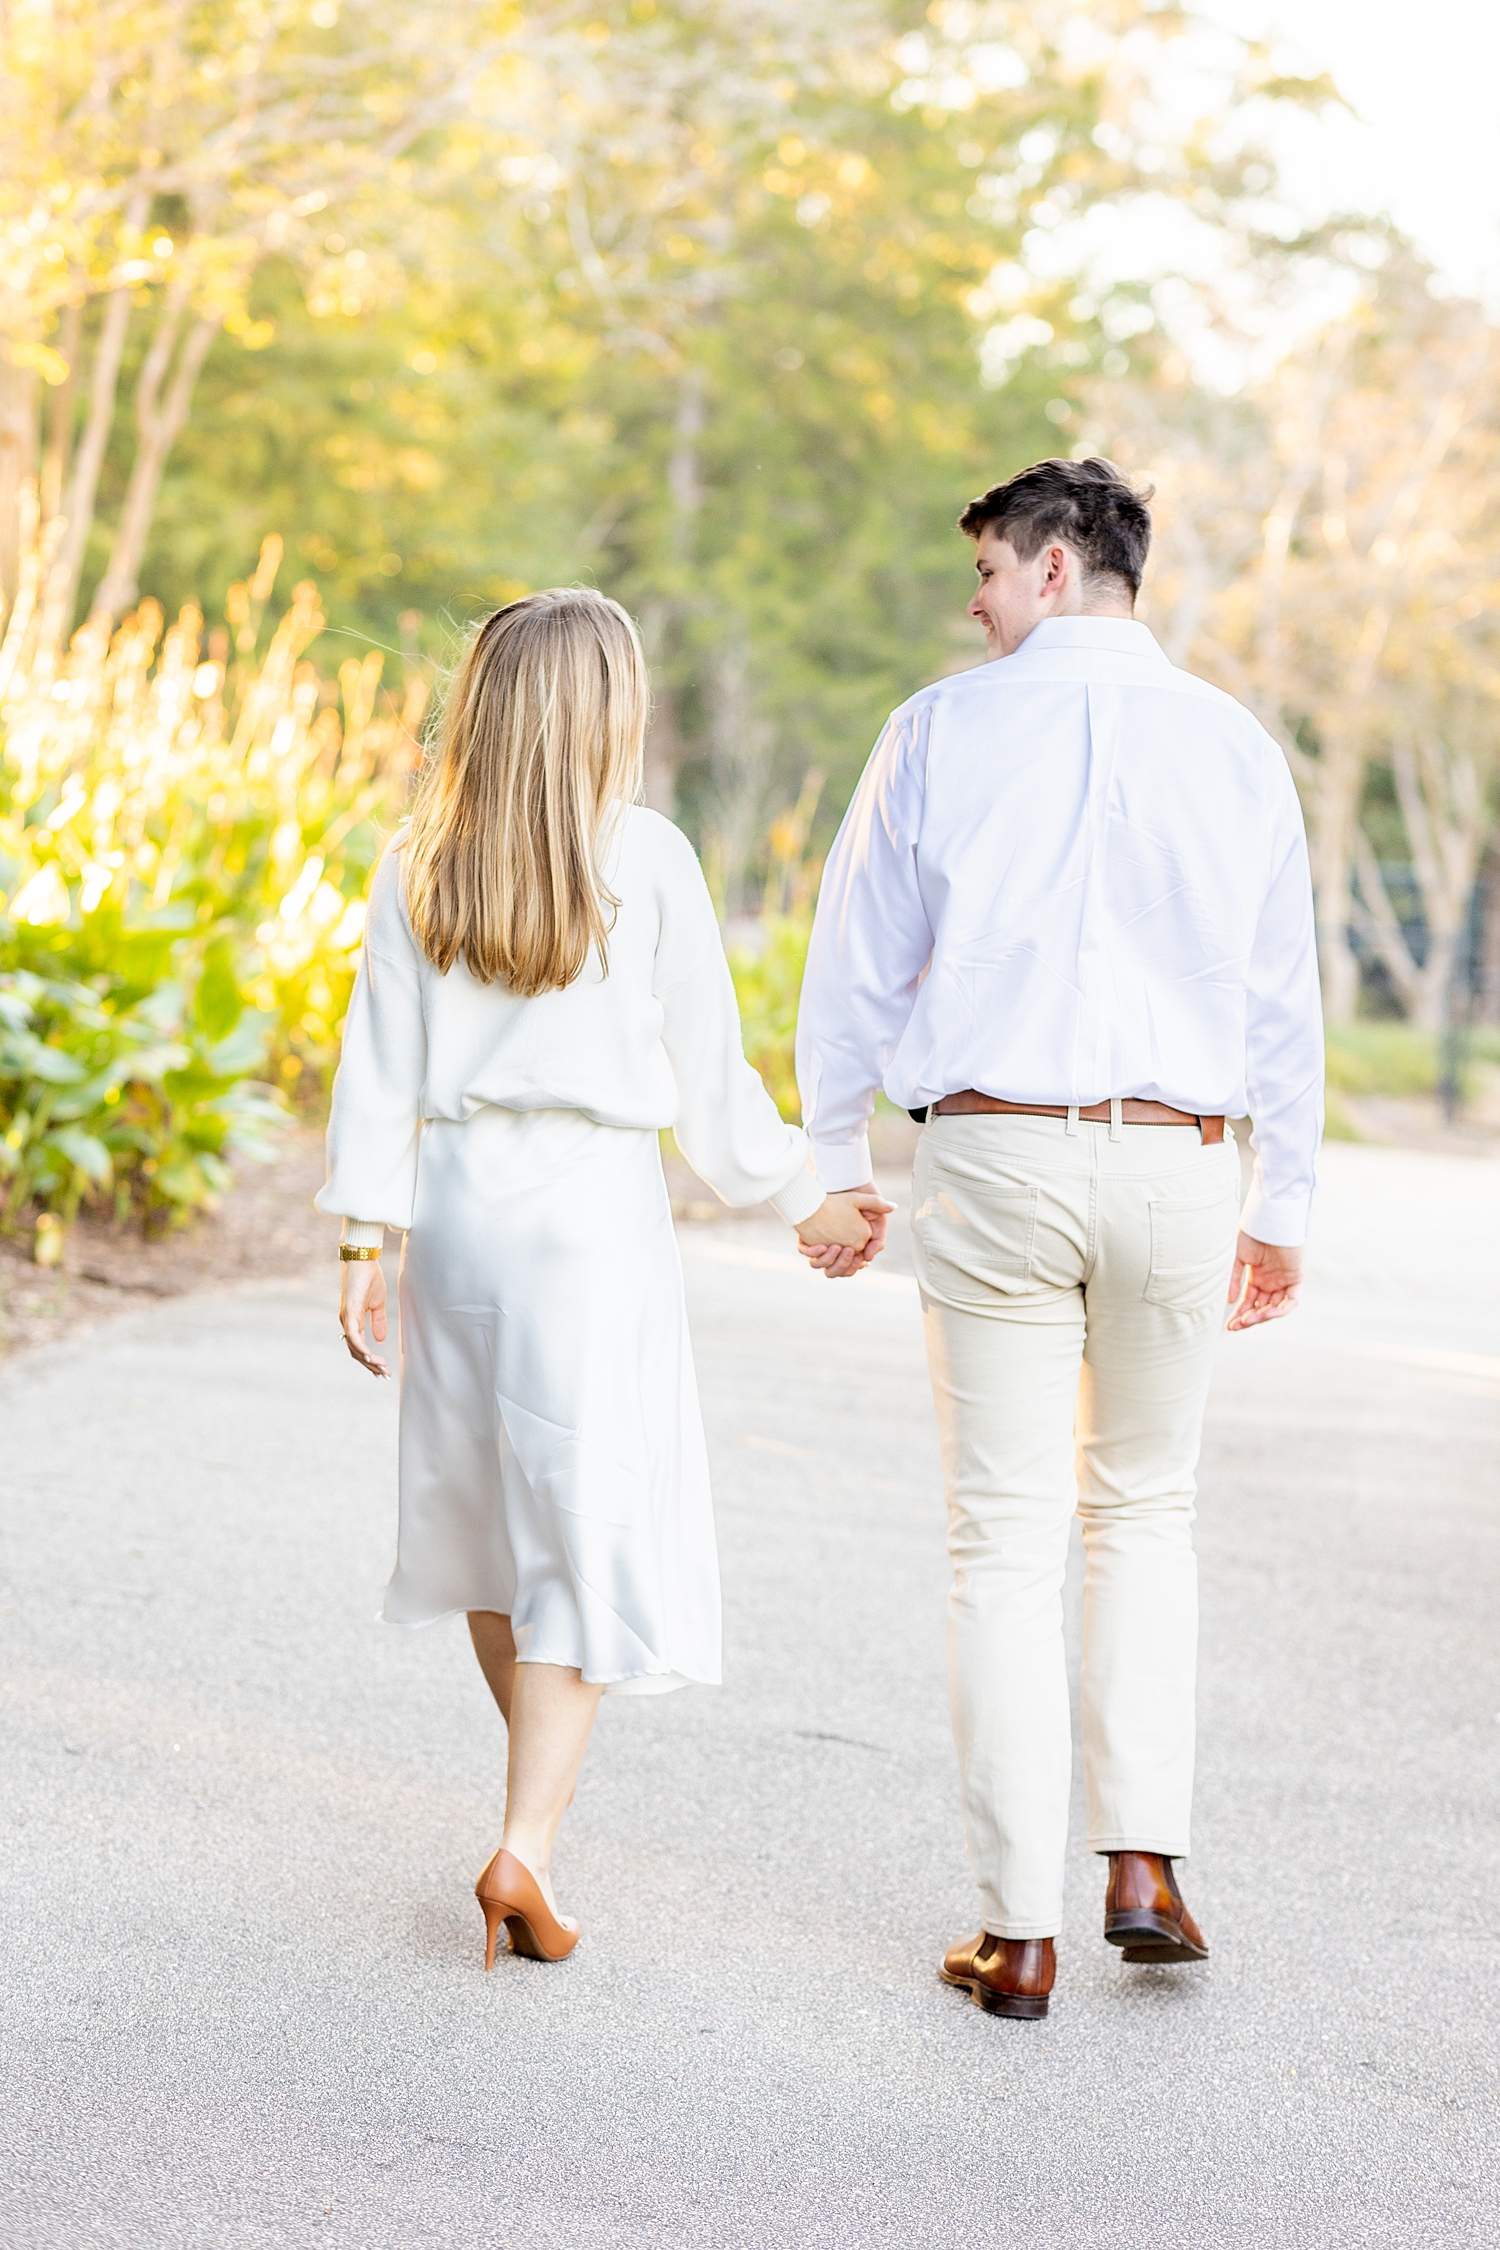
column 1013, row 595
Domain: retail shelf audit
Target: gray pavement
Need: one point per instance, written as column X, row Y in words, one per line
column 243, row 2001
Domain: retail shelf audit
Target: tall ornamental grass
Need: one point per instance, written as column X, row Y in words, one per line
column 187, row 829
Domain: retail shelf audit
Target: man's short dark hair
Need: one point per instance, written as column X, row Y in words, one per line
column 1091, row 505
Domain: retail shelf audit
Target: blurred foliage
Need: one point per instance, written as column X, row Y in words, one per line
column 768, row 980
column 186, row 836
column 1327, row 551
column 1397, row 1059
column 767, row 956
column 732, row 327
column 140, row 1104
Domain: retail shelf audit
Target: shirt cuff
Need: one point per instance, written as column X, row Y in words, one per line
column 799, row 1198
column 1277, row 1219
column 843, row 1164
column 364, row 1234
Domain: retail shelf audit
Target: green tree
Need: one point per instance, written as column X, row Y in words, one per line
column 732, row 326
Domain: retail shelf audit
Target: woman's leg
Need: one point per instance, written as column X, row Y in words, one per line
column 552, row 1712
column 496, row 1651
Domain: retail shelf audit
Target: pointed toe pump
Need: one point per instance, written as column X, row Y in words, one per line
column 508, row 1892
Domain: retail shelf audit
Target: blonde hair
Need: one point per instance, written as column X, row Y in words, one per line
column 543, row 730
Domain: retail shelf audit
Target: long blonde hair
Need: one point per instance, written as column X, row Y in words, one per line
column 542, row 732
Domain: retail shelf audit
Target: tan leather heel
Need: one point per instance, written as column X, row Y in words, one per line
column 508, row 1892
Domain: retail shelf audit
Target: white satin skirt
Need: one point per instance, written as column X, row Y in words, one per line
column 553, row 1465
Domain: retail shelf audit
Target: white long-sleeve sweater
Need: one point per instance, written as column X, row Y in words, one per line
column 654, row 1041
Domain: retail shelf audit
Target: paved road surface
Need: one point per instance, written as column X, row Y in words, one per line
column 243, row 2002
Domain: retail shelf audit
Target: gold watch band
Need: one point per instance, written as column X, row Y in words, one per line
column 349, row 1251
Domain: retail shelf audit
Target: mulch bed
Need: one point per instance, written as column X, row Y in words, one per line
column 264, row 1229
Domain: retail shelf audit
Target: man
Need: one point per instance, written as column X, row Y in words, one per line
column 1068, row 922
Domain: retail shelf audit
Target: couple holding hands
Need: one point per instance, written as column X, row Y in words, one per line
column 1067, row 922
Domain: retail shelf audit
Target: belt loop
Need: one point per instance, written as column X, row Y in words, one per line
column 1072, row 1124
column 1116, row 1118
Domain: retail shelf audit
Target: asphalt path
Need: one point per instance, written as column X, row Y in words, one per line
column 243, row 2001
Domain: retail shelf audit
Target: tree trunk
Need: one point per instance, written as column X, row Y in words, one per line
column 739, row 764
column 684, row 484
column 33, row 547
column 159, row 422
column 662, row 614
column 83, row 485
column 1429, row 1008
column 1335, row 801
column 663, row 743
column 1446, row 817
column 18, row 447
column 1199, row 584
column 1487, row 1010
column 59, row 444
column 1380, row 925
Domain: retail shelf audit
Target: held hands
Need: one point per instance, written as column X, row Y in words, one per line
column 845, row 1232
column 1266, row 1283
column 843, row 1235
column 362, row 1296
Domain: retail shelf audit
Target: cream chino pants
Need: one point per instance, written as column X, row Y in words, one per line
column 1073, row 1280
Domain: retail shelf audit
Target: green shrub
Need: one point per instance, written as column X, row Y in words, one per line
column 1381, row 1058
column 149, row 789
column 1395, row 1059
column 768, row 984
column 186, row 838
column 137, row 1100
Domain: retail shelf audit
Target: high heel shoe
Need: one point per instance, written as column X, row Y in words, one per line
column 508, row 1892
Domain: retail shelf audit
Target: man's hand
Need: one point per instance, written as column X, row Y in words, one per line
column 846, row 1231
column 363, row 1294
column 1266, row 1283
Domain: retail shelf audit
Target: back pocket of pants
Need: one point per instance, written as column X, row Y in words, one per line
column 968, row 1249
column 1192, row 1247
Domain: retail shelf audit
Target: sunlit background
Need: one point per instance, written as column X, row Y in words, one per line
column 326, row 329
column 1418, row 137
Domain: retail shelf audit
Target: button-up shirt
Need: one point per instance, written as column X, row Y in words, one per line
column 1070, row 874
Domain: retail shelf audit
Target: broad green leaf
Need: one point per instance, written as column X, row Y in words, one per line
column 218, row 1002
column 181, row 1181
column 90, row 1155
column 41, row 1060
column 244, row 1048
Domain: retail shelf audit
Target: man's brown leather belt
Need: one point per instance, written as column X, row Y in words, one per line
column 1132, row 1112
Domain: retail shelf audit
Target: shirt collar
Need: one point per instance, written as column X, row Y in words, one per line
column 1125, row 636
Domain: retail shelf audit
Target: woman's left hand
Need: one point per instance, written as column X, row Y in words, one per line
column 362, row 1297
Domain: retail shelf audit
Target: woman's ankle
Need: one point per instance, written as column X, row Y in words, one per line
column 531, row 1849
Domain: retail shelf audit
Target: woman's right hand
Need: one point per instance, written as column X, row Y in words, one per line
column 845, row 1232
column 362, row 1297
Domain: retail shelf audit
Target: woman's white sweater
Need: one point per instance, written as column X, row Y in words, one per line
column 652, row 1040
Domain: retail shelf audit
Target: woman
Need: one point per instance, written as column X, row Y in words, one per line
column 542, row 989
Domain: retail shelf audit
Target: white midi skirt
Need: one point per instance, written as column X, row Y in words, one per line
column 553, row 1466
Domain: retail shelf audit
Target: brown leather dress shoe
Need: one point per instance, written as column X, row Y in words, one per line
column 1007, row 1976
column 1144, row 1913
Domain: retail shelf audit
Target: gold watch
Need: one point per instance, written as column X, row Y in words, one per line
column 349, row 1251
